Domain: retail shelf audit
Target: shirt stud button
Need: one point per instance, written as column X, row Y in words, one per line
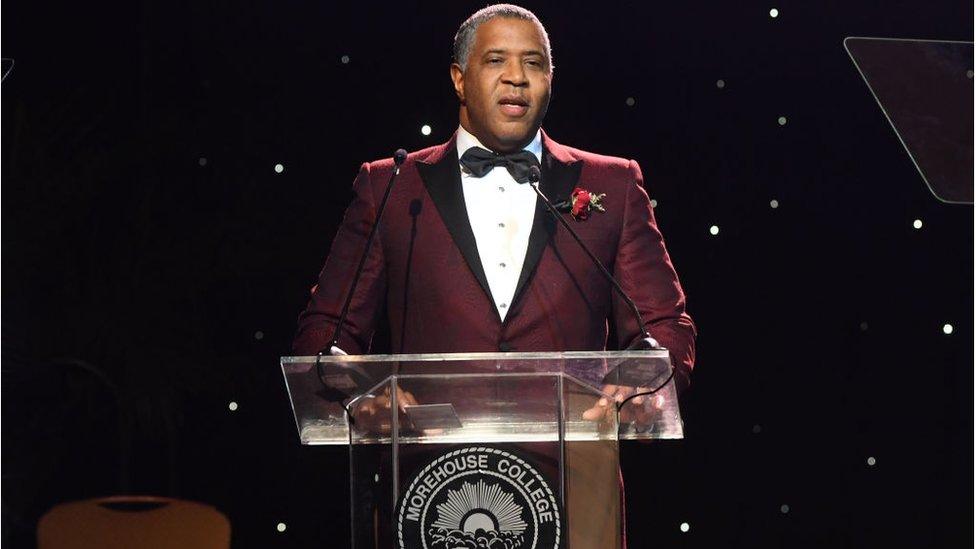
column 501, row 225
column 502, row 265
column 503, row 305
column 501, row 189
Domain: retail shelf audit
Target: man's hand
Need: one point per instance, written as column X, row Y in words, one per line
column 640, row 410
column 606, row 406
column 372, row 412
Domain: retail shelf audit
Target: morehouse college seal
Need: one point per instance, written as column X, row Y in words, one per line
column 478, row 497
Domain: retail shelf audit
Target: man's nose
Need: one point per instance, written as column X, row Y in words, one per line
column 515, row 74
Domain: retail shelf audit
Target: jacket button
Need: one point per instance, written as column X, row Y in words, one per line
column 504, row 347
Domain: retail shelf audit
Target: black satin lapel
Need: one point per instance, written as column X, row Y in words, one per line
column 443, row 182
column 558, row 180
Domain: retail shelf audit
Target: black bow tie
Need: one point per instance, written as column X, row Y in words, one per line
column 480, row 161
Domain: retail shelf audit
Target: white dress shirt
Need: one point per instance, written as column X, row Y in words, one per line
column 501, row 212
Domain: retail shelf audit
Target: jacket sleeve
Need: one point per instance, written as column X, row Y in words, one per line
column 317, row 322
column 643, row 269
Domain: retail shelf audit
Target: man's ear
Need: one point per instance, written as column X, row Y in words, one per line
column 457, row 76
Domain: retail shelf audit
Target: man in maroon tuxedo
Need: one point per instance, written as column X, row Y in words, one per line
column 467, row 259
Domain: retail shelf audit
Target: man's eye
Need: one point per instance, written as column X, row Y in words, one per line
column 495, row 60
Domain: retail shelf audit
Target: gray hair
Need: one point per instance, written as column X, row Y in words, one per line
column 464, row 39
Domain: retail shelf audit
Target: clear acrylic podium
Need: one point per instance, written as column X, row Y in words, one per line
column 497, row 450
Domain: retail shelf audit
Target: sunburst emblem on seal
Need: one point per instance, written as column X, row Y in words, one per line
column 478, row 497
column 482, row 509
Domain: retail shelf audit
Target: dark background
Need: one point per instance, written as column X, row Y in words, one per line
column 144, row 288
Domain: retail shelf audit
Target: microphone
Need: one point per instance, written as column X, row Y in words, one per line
column 398, row 158
column 535, row 175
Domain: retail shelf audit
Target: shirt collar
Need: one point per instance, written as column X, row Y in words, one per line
column 465, row 141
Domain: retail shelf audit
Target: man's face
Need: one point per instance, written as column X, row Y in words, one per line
column 505, row 90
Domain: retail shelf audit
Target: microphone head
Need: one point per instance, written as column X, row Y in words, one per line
column 399, row 156
column 535, row 174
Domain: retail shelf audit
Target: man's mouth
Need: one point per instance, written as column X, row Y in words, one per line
column 513, row 106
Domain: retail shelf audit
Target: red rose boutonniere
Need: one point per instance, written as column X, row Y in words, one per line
column 581, row 202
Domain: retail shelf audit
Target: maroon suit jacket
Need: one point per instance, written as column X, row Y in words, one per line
column 424, row 273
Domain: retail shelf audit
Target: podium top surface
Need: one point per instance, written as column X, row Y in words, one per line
column 454, row 357
column 482, row 397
